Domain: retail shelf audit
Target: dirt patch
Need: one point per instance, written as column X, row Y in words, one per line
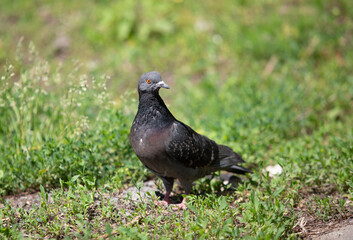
column 344, row 232
column 25, row 200
column 322, row 211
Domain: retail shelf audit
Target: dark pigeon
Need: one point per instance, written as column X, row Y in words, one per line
column 170, row 148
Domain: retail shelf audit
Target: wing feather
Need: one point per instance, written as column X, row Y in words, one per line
column 190, row 148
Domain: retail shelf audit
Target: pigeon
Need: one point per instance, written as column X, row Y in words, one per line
column 171, row 149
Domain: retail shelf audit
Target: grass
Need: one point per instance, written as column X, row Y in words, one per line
column 272, row 80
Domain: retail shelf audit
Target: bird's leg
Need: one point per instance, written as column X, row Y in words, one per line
column 168, row 184
column 187, row 188
column 166, row 197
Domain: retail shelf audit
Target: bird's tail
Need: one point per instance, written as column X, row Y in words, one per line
column 237, row 169
column 229, row 160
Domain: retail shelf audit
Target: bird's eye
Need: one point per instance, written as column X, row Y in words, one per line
column 148, row 80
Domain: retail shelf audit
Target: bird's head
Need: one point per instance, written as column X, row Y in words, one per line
column 151, row 82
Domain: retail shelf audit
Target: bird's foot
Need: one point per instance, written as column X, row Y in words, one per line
column 179, row 206
column 162, row 203
column 175, row 207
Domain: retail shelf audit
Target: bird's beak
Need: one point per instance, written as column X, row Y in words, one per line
column 162, row 85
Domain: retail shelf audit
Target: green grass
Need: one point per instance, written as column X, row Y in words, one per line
column 272, row 80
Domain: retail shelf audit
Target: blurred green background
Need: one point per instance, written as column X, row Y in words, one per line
column 185, row 40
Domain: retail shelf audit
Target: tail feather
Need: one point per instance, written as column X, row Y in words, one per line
column 226, row 154
column 237, row 169
column 229, row 160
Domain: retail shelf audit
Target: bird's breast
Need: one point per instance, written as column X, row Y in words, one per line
column 147, row 141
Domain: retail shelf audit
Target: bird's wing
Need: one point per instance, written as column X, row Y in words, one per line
column 190, row 148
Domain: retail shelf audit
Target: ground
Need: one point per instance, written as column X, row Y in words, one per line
column 309, row 226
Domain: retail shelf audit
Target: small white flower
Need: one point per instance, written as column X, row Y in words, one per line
column 202, row 25
column 217, row 39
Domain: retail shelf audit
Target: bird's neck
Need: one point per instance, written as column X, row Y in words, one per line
column 153, row 108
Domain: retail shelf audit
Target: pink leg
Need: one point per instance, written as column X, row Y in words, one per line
column 175, row 207
column 165, row 201
column 168, row 183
